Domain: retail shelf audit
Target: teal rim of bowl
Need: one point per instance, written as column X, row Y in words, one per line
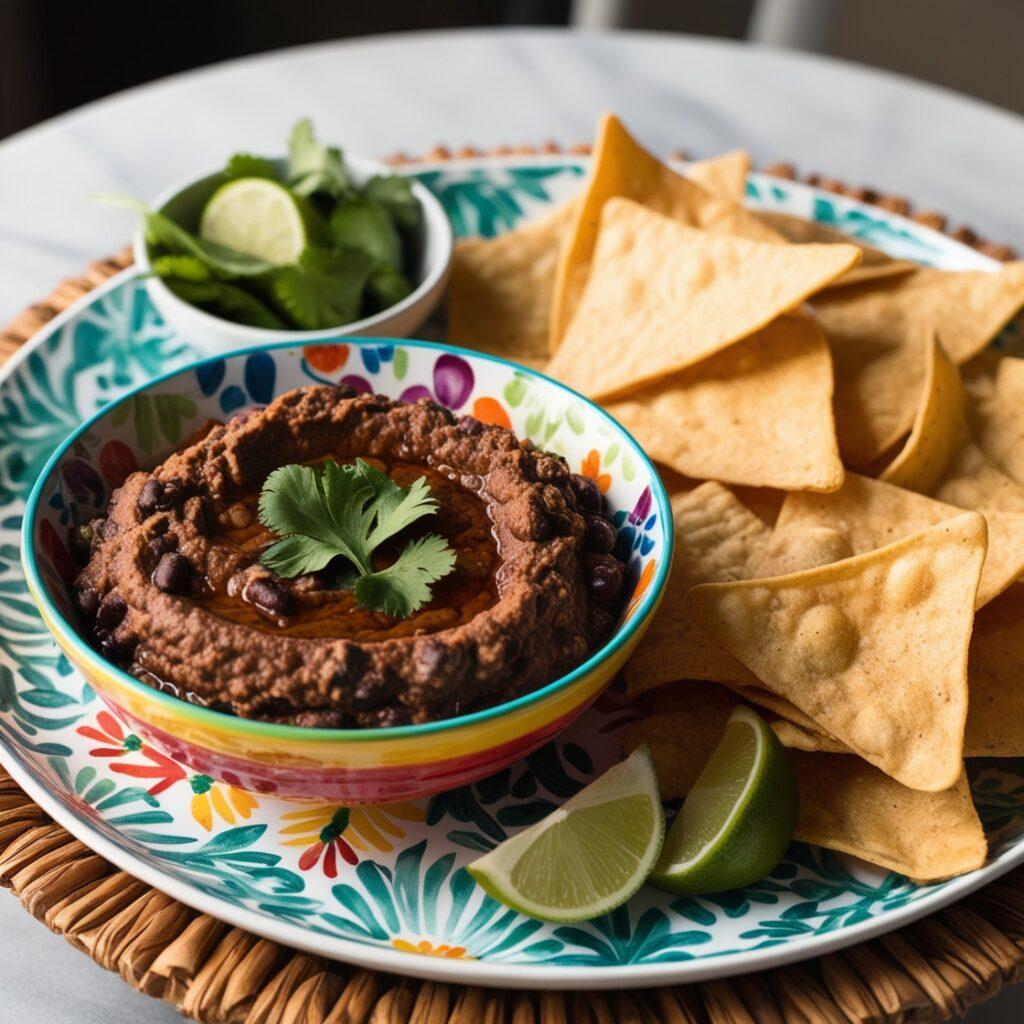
column 271, row 730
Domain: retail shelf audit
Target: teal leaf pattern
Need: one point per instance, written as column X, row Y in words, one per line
column 415, row 894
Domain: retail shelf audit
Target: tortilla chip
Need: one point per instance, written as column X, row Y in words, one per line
column 724, row 176
column 874, row 265
column 974, row 481
column 715, row 538
column 939, row 430
column 686, row 722
column 764, row 502
column 759, row 413
column 878, row 332
column 662, row 296
column 621, row 167
column 995, row 673
column 866, row 514
column 995, row 388
column 847, row 805
column 995, row 684
column 758, row 696
column 802, row 737
column 873, row 648
column 499, row 292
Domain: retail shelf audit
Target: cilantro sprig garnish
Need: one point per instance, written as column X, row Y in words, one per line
column 356, row 246
column 332, row 511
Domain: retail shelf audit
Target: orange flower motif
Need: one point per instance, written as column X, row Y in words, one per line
column 326, row 358
column 425, row 948
column 490, row 410
column 591, row 467
column 646, row 575
column 209, row 798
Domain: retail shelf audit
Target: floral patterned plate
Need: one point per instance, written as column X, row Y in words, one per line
column 385, row 886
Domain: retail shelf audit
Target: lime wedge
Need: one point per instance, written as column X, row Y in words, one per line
column 739, row 817
column 258, row 217
column 587, row 857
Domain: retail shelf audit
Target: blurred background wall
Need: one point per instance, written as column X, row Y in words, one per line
column 55, row 56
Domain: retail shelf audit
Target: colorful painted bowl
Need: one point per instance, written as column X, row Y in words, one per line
column 346, row 765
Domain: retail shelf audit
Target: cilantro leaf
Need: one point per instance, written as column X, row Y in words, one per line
column 405, row 586
column 365, row 225
column 394, row 193
column 331, row 511
column 394, row 507
column 323, row 288
column 223, row 299
column 314, row 168
column 245, row 165
column 162, row 231
column 187, row 268
column 387, row 286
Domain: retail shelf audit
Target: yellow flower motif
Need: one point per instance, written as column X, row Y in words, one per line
column 368, row 827
column 425, row 948
column 209, row 797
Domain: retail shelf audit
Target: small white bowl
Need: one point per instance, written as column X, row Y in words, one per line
column 212, row 335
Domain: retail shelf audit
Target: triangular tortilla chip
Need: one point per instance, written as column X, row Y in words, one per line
column 621, row 167
column 662, row 296
column 939, row 430
column 724, row 176
column 879, row 330
column 995, row 684
column 995, row 674
column 995, row 388
column 873, row 649
column 866, row 514
column 715, row 537
column 499, row 292
column 757, row 696
column 759, row 413
column 847, row 805
column 803, row 737
column 973, row 480
column 685, row 724
column 874, row 265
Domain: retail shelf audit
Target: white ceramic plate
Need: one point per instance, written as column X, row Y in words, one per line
column 385, row 887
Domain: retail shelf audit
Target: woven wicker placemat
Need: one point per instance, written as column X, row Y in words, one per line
column 932, row 970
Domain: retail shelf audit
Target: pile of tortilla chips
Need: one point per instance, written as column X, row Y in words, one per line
column 846, row 462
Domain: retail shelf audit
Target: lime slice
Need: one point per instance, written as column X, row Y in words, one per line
column 739, row 817
column 258, row 217
column 587, row 857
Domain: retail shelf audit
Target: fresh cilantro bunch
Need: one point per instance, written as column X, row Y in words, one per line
column 327, row 512
column 362, row 244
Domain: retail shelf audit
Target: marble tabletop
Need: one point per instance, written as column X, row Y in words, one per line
column 482, row 88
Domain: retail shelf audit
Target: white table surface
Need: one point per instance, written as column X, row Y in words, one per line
column 482, row 88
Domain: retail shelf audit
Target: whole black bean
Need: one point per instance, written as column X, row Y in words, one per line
column 270, row 597
column 118, row 649
column 112, row 609
column 605, row 579
column 469, row 425
column 600, row 534
column 372, row 690
column 88, row 602
column 586, row 492
column 173, row 573
column 159, row 496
